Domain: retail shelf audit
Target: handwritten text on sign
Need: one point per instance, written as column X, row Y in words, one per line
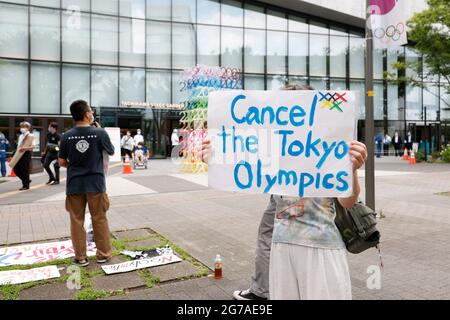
column 291, row 143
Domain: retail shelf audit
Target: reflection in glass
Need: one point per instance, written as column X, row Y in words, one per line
column 232, row 44
column 158, row 9
column 45, row 39
column 357, row 46
column 13, row 86
column 75, row 85
column 209, row 49
column 104, row 87
column 158, row 44
column 45, row 82
column 298, row 53
column 232, row 13
column 255, row 50
column 183, row 45
column 132, row 85
column 132, row 8
column 158, row 86
column 132, row 42
column 13, row 31
column 318, row 55
column 338, row 52
column 208, row 11
column 183, row 10
column 254, row 82
column 104, row 40
column 75, row 38
column 276, row 52
column 254, row 17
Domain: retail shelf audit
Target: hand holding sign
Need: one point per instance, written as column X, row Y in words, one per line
column 295, row 143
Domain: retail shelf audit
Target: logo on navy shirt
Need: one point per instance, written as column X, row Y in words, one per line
column 82, row 146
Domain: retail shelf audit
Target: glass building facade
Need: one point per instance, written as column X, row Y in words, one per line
column 108, row 51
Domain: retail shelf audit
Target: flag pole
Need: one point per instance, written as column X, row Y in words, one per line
column 369, row 125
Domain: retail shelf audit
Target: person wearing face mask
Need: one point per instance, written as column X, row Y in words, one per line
column 82, row 151
column 21, row 160
column 127, row 145
column 4, row 145
column 397, row 144
column 138, row 137
column 50, row 153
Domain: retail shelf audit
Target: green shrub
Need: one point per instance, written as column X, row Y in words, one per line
column 435, row 155
column 445, row 154
column 420, row 156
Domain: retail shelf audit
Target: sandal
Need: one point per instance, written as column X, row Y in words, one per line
column 80, row 263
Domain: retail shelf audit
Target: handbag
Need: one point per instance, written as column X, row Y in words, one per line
column 357, row 226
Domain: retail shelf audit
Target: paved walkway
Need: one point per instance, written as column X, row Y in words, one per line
column 415, row 230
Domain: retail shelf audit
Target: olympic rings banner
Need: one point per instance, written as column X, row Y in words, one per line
column 388, row 23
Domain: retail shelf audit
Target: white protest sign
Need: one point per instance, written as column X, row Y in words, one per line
column 141, row 264
column 40, row 252
column 24, row 276
column 114, row 135
column 292, row 143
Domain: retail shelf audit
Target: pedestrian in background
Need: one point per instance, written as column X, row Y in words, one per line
column 378, row 143
column 386, row 144
column 127, row 145
column 50, row 153
column 397, row 144
column 81, row 152
column 4, row 145
column 21, row 160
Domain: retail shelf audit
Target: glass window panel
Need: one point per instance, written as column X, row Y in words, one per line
column 427, row 73
column 80, row 5
column 102, row 6
column 158, row 44
column 209, row 48
column 255, row 50
column 298, row 80
column 357, row 46
column 338, row 32
column 132, row 8
column 392, row 58
column 276, row 82
column 359, row 86
column 45, row 3
column 232, row 44
column 412, row 58
column 254, row 82
column 413, row 103
column 159, row 87
column 298, row 53
column 13, row 86
column 208, row 11
column 378, row 64
column 276, row 52
column 394, row 110
column 45, row 88
column 104, row 87
column 178, row 96
column 431, row 100
column 338, row 84
column 132, row 42
column 132, row 85
column 104, row 40
column 75, row 85
column 445, row 105
column 75, row 37
column 13, row 31
column 183, row 45
column 378, row 106
column 183, row 10
column 276, row 20
column 318, row 28
column 232, row 13
column 158, row 9
column 338, row 51
column 318, row 55
column 254, row 17
column 298, row 24
column 318, row 84
column 18, row 1
column 45, row 34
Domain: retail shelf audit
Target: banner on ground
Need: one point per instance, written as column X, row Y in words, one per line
column 30, row 275
column 292, row 143
column 388, row 23
column 40, row 252
column 141, row 264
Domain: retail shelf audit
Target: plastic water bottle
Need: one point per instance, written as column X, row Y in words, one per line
column 88, row 228
column 218, row 267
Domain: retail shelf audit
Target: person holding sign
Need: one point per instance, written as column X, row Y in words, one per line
column 21, row 160
column 300, row 253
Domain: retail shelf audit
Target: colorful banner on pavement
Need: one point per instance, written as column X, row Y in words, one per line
column 141, row 264
column 292, row 143
column 388, row 23
column 30, row 275
column 40, row 252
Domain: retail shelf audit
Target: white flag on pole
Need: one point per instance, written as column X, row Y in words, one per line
column 388, row 23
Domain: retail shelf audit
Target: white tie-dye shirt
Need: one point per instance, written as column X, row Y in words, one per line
column 307, row 222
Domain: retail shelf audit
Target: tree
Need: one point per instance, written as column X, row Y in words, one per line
column 429, row 32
